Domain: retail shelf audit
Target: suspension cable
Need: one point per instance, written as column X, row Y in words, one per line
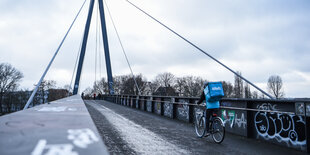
column 200, row 49
column 52, row 60
column 124, row 52
column 99, row 48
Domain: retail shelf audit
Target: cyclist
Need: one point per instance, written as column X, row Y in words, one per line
column 212, row 105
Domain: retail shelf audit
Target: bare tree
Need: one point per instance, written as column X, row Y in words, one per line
column 129, row 85
column 275, row 86
column 9, row 79
column 193, row 86
column 101, row 87
column 165, row 79
column 180, row 85
column 238, row 88
column 228, row 89
column 255, row 95
column 247, row 91
column 41, row 94
column 117, row 84
column 150, row 88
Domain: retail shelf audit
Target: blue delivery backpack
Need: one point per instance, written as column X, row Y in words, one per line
column 213, row 92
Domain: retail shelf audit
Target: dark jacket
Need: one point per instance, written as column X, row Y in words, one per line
column 202, row 98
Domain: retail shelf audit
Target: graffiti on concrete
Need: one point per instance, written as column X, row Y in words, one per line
column 226, row 104
column 308, row 109
column 149, row 106
column 168, row 109
column 142, row 105
column 280, row 127
column 231, row 119
column 241, row 122
column 158, row 108
column 137, row 103
column 299, row 108
column 124, row 102
column 183, row 109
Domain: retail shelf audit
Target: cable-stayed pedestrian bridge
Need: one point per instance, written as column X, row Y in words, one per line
column 138, row 124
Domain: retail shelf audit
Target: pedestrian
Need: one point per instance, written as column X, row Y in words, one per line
column 99, row 96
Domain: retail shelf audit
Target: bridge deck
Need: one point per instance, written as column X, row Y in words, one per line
column 130, row 131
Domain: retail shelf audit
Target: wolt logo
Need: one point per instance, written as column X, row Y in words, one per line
column 216, row 88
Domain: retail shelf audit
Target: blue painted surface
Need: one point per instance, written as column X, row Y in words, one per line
column 83, row 49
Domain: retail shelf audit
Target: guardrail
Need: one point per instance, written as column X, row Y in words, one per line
column 63, row 127
column 284, row 122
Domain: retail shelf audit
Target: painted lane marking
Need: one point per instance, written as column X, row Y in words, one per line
column 140, row 139
column 53, row 149
column 82, row 137
column 79, row 137
column 53, row 109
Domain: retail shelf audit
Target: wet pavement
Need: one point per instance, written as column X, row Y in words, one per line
column 131, row 131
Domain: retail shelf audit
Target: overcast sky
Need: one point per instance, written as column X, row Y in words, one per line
column 259, row 38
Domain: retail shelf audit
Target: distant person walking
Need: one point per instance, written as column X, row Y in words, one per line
column 99, row 96
column 94, row 96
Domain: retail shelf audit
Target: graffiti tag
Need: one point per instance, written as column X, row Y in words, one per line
column 281, row 127
column 168, row 109
column 231, row 118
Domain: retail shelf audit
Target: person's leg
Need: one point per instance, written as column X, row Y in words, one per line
column 208, row 115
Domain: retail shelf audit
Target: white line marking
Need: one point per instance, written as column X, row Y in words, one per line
column 142, row 140
column 39, row 148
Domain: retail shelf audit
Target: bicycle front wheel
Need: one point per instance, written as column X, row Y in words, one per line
column 200, row 126
column 218, row 130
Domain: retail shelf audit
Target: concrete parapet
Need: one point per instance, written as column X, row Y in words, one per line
column 61, row 127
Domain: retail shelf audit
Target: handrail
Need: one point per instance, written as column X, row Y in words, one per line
column 225, row 107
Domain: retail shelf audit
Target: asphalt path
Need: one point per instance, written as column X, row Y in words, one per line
column 131, row 131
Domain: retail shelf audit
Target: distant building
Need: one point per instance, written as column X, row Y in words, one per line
column 165, row 91
column 55, row 94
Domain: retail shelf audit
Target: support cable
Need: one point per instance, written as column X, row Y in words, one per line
column 200, row 49
column 52, row 60
column 99, row 45
column 124, row 52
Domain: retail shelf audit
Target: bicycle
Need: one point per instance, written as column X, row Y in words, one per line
column 217, row 128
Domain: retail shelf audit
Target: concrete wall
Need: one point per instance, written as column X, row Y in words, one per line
column 283, row 122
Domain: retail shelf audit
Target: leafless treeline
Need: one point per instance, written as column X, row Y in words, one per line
column 188, row 86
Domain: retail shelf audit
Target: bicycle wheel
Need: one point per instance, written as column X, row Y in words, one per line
column 218, row 130
column 200, row 126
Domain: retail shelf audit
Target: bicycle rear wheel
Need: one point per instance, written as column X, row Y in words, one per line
column 200, row 126
column 218, row 130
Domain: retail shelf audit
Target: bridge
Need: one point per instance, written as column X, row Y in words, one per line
column 125, row 124
column 139, row 124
